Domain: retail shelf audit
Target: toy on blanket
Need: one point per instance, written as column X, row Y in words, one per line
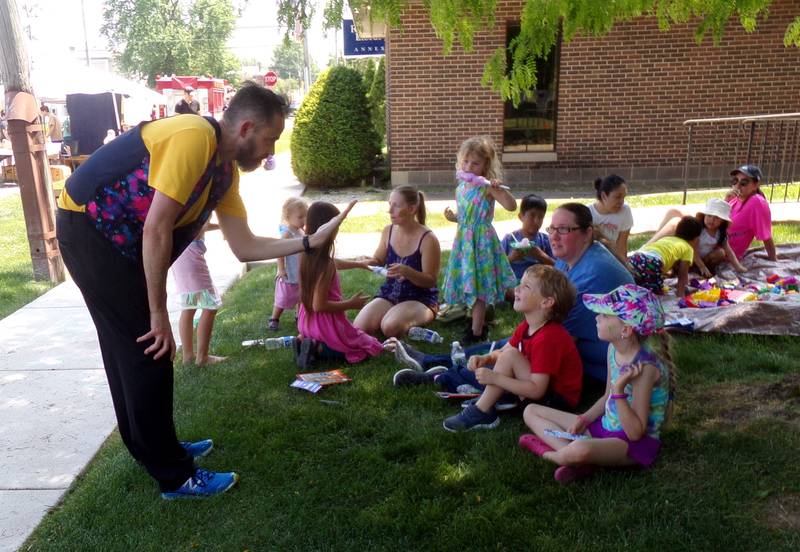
column 716, row 297
column 787, row 285
column 775, row 286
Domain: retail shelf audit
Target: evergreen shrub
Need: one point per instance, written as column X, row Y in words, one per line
column 334, row 143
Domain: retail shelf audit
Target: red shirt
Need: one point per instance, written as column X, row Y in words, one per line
column 551, row 350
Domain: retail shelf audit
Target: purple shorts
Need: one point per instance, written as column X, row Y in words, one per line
column 286, row 295
column 643, row 451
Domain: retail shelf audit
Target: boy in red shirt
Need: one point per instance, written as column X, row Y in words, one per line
column 539, row 363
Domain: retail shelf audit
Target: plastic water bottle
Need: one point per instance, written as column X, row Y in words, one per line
column 424, row 334
column 271, row 342
column 457, row 355
column 379, row 270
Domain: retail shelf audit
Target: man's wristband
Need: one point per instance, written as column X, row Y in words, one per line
column 615, row 396
column 306, row 244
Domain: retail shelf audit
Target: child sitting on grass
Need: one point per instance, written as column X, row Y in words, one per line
column 539, row 363
column 625, row 423
column 653, row 260
column 325, row 331
column 532, row 210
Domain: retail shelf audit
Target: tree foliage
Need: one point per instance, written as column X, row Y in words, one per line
column 182, row 37
column 377, row 100
column 541, row 21
column 287, row 61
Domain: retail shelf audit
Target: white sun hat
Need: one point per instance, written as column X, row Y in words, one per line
column 717, row 207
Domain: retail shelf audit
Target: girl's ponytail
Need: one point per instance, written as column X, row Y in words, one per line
column 421, row 214
column 665, row 353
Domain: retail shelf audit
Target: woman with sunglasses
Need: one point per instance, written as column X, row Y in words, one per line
column 591, row 268
column 750, row 214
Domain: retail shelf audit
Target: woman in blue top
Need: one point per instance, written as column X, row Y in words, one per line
column 592, row 269
column 411, row 254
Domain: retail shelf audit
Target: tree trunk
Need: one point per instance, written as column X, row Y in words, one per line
column 28, row 146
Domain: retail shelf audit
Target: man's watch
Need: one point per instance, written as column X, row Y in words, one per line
column 306, row 244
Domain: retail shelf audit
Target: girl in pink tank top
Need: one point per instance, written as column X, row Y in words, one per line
column 324, row 328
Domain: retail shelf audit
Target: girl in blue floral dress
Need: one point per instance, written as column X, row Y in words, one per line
column 478, row 272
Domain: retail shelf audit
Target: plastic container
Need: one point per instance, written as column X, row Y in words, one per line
column 271, row 342
column 457, row 355
column 424, row 334
column 379, row 270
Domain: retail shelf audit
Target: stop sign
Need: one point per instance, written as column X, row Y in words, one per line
column 271, row 78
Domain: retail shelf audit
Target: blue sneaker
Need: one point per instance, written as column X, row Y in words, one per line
column 203, row 484
column 198, row 449
column 471, row 418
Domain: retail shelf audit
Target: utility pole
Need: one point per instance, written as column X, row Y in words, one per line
column 28, row 147
column 85, row 35
column 306, row 64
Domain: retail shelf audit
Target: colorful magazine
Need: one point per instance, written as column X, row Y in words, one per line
column 331, row 377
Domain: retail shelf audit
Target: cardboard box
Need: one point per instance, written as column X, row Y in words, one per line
column 59, row 172
column 9, row 173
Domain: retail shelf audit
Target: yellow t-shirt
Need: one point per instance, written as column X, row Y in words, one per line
column 671, row 249
column 180, row 149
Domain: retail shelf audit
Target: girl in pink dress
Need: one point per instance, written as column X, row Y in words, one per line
column 325, row 331
column 197, row 291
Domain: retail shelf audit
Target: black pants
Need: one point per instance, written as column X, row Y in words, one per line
column 115, row 292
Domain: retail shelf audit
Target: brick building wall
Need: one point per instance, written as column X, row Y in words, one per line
column 622, row 98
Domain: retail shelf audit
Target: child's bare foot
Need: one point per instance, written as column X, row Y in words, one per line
column 187, row 360
column 390, row 344
column 211, row 359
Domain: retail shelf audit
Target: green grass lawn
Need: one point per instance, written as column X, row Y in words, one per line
column 17, row 287
column 364, row 466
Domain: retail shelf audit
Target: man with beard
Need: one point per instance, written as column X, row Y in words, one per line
column 124, row 217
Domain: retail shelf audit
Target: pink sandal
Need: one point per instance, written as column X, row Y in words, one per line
column 532, row 443
column 567, row 474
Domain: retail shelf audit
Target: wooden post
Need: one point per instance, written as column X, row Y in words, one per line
column 28, row 146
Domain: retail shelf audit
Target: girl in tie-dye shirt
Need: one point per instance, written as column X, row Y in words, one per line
column 623, row 427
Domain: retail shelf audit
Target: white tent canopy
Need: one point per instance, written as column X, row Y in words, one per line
column 53, row 79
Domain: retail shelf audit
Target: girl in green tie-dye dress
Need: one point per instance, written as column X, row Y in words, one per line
column 478, row 272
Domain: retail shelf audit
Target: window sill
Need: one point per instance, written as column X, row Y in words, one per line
column 530, row 156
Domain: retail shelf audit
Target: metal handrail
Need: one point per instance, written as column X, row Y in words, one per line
column 746, row 118
column 787, row 123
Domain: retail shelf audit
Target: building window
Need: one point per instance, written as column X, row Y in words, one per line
column 531, row 126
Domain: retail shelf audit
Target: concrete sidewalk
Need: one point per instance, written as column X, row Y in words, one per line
column 54, row 402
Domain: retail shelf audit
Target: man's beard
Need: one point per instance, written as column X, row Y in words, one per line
column 246, row 158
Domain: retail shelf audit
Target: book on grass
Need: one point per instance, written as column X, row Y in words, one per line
column 315, row 381
column 331, row 377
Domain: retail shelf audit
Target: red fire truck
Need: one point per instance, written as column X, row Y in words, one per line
column 210, row 92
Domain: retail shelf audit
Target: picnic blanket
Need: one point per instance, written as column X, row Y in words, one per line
column 772, row 314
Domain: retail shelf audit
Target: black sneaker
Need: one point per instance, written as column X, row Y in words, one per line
column 469, row 338
column 408, row 356
column 407, row 376
column 306, row 353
